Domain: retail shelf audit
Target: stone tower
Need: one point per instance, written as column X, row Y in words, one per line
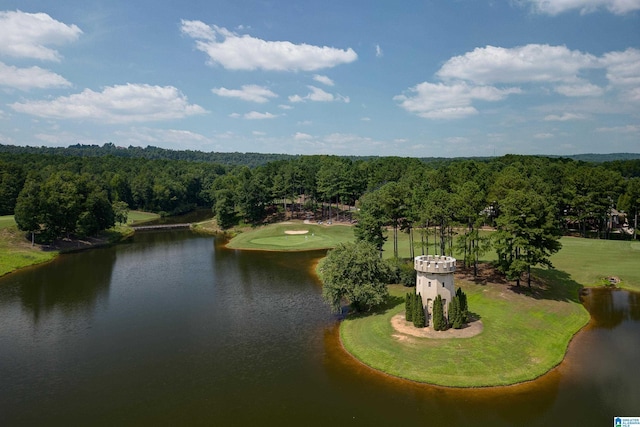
column 435, row 277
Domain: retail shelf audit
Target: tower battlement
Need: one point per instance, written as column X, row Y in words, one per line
column 435, row 264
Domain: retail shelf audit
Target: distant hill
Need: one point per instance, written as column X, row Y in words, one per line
column 601, row 158
column 246, row 159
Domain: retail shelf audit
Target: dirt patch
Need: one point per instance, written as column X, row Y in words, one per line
column 473, row 328
column 296, row 231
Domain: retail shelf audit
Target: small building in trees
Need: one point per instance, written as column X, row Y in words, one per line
column 435, row 277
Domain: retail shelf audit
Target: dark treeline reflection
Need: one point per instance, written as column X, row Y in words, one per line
column 172, row 328
column 610, row 307
column 69, row 284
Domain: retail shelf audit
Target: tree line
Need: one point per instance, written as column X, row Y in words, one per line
column 526, row 198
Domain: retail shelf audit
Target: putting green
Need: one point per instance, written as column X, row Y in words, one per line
column 288, row 240
column 287, row 237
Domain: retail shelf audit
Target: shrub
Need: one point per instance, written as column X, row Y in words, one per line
column 464, row 308
column 455, row 314
column 408, row 307
column 419, row 318
column 439, row 322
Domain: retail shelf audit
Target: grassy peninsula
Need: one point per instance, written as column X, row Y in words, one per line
column 522, row 338
column 525, row 332
column 17, row 252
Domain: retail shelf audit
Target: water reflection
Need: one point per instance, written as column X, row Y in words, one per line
column 609, row 307
column 69, row 284
column 172, row 328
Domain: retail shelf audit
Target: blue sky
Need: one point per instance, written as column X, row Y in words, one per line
column 413, row 78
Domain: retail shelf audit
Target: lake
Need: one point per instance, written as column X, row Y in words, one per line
column 172, row 328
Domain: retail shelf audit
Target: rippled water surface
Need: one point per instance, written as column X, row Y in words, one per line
column 173, row 328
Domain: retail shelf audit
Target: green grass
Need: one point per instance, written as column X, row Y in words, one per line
column 523, row 338
column 273, row 237
column 589, row 261
column 137, row 217
column 16, row 251
column 6, row 221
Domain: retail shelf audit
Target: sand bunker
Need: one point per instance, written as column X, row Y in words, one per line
column 399, row 323
column 296, row 231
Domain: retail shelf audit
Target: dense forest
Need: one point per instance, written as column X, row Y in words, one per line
column 528, row 200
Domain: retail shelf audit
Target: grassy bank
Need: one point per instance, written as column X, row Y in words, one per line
column 590, row 261
column 139, row 217
column 523, row 338
column 16, row 250
column 274, row 237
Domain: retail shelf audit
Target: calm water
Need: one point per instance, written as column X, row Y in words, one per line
column 171, row 328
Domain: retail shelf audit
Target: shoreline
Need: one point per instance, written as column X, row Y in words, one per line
column 373, row 342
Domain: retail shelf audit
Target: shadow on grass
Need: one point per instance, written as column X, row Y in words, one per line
column 551, row 284
column 390, row 303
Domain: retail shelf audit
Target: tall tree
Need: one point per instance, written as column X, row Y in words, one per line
column 354, row 272
column 629, row 202
column 28, row 213
column 394, row 198
column 527, row 234
column 371, row 220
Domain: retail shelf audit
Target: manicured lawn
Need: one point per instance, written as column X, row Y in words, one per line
column 589, row 261
column 136, row 217
column 6, row 221
column 523, row 338
column 16, row 251
column 274, row 237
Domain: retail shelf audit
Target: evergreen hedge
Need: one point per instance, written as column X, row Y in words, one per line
column 439, row 322
column 419, row 318
column 408, row 307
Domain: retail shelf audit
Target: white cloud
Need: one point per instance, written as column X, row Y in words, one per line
column 491, row 73
column 243, row 52
column 366, row 119
column 580, row 89
column 378, row 51
column 564, row 117
column 555, row 7
column 623, row 68
column 253, row 93
column 300, row 136
column 319, row 95
column 449, row 101
column 285, row 107
column 115, row 104
column 198, row 30
column 543, row 135
column 28, row 35
column 146, row 136
column 258, row 133
column 523, row 64
column 254, row 115
column 457, row 140
column 323, row 79
column 30, row 78
column 620, row 129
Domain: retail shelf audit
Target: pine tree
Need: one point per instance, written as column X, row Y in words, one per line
column 464, row 308
column 408, row 307
column 419, row 319
column 439, row 323
column 455, row 314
